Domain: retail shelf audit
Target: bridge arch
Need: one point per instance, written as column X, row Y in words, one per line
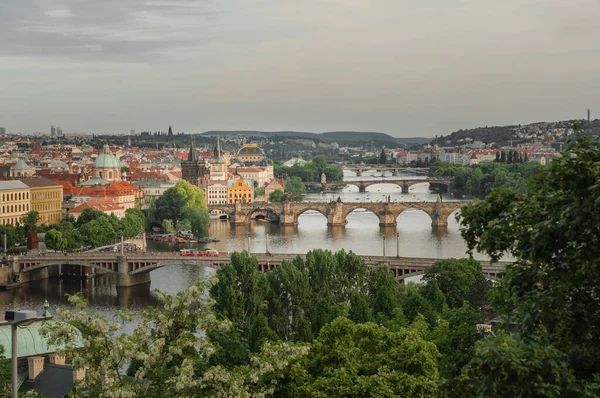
column 71, row 263
column 263, row 211
column 299, row 212
column 350, row 209
column 423, row 209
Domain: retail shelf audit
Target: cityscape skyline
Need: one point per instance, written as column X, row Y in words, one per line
column 401, row 68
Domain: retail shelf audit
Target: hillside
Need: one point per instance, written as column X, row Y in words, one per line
column 533, row 132
column 341, row 137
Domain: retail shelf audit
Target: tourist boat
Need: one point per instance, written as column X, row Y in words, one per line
column 198, row 253
column 263, row 220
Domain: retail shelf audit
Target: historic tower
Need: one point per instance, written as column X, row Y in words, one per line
column 194, row 169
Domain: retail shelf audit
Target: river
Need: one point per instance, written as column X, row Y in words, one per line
column 362, row 235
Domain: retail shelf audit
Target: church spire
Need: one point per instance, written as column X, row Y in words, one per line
column 193, row 155
column 218, row 151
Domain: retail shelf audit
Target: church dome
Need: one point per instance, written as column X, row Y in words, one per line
column 106, row 160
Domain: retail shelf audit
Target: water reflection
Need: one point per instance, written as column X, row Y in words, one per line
column 361, row 234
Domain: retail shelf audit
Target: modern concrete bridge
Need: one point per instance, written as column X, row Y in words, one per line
column 134, row 269
column 336, row 212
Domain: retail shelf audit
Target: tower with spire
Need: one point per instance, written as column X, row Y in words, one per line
column 218, row 167
column 170, row 135
column 194, row 169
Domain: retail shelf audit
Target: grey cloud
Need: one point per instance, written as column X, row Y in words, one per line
column 123, row 30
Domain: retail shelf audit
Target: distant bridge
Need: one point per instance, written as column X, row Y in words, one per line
column 134, row 269
column 337, row 212
column 404, row 183
column 396, row 170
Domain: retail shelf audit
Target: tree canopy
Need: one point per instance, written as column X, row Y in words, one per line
column 184, row 201
column 549, row 295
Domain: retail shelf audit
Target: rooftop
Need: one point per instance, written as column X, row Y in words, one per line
column 6, row 185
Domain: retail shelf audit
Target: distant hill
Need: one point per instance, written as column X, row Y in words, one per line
column 341, row 137
column 504, row 135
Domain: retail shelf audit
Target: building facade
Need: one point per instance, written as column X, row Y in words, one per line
column 216, row 192
column 240, row 190
column 15, row 202
column 250, row 153
column 46, row 199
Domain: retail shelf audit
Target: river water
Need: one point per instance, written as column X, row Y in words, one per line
column 362, row 235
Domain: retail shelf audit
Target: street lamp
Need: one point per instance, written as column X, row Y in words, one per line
column 397, row 245
column 384, row 248
column 248, row 242
column 17, row 318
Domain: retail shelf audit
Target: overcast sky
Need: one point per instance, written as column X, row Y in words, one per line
column 403, row 67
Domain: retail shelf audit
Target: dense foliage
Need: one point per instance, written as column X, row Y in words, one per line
column 351, row 315
column 310, row 171
column 550, row 294
column 183, row 206
column 479, row 180
column 5, row 375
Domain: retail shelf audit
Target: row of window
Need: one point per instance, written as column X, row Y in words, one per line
column 15, row 196
column 45, row 195
column 48, row 206
column 15, row 208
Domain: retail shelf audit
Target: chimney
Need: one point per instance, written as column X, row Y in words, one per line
column 57, row 359
column 79, row 374
column 36, row 365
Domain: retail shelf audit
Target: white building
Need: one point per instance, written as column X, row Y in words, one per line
column 216, row 192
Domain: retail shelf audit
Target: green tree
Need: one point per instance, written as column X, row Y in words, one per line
column 454, row 277
column 168, row 226
column 183, row 201
column 289, row 297
column 367, row 360
column 550, row 289
column 240, row 290
column 505, row 366
column 294, row 188
column 170, row 351
column 277, row 196
column 30, row 220
column 5, row 375
column 382, row 157
column 55, row 241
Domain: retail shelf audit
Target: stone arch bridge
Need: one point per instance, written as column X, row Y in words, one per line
column 337, row 212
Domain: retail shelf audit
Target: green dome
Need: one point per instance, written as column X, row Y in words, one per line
column 106, row 160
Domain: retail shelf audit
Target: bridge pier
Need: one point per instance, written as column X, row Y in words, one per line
column 362, row 187
column 395, row 173
column 405, row 187
column 124, row 279
column 335, row 215
column 387, row 220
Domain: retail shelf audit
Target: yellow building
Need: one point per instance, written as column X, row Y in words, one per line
column 240, row 190
column 46, row 199
column 250, row 153
column 14, row 201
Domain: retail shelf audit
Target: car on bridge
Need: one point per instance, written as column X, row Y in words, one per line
column 198, row 253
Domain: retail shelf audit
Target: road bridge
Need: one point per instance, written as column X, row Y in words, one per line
column 134, row 269
column 336, row 212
